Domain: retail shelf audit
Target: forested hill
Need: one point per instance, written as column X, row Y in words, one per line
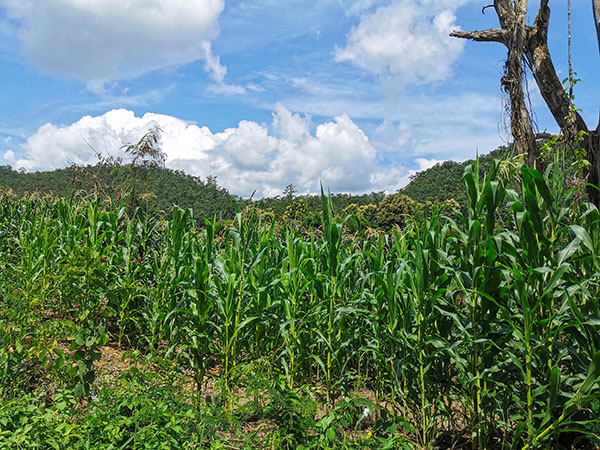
column 158, row 188
column 445, row 181
column 155, row 187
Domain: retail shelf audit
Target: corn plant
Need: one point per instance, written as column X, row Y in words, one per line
column 480, row 327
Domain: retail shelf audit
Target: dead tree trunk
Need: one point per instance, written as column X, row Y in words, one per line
column 594, row 145
column 532, row 43
column 512, row 82
column 596, row 6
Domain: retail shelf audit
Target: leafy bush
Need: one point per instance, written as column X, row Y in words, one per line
column 399, row 210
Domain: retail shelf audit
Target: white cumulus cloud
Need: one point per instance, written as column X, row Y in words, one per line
column 250, row 157
column 102, row 40
column 425, row 163
column 405, row 39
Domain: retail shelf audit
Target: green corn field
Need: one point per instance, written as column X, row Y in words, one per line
column 478, row 329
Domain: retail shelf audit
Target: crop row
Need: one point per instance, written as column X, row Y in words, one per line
column 463, row 326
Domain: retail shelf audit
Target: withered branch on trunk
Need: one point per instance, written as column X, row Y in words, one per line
column 491, row 35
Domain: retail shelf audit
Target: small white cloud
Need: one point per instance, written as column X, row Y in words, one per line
column 396, row 136
column 339, row 154
column 9, row 157
column 255, row 87
column 212, row 63
column 102, row 40
column 425, row 163
column 292, row 127
column 226, row 89
column 407, row 40
column 358, row 6
column 391, row 180
column 249, row 145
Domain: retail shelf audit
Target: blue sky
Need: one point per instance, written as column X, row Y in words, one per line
column 358, row 94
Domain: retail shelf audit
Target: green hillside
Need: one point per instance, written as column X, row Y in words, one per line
column 157, row 188
column 445, row 181
column 152, row 186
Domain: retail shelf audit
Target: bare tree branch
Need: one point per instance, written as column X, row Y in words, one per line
column 490, row 35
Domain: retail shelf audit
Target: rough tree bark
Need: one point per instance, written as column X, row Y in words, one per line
column 596, row 6
column 512, row 82
column 532, row 43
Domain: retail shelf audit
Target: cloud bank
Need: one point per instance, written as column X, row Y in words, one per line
column 249, row 157
column 101, row 40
